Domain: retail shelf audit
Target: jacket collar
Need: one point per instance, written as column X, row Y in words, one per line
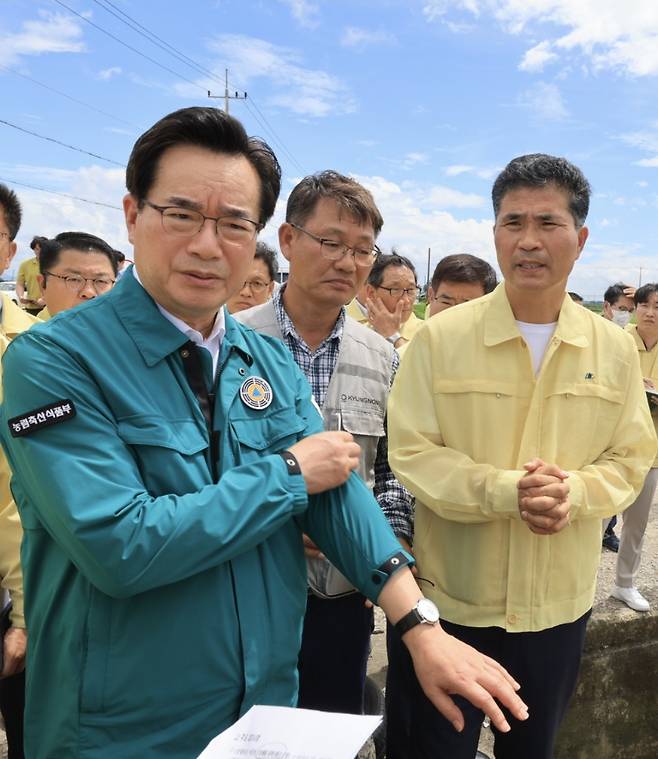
column 500, row 324
column 154, row 335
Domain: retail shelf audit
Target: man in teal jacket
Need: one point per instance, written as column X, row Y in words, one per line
column 166, row 463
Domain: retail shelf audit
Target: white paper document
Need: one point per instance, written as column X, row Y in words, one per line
column 278, row 732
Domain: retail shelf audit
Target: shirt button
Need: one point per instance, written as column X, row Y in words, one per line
column 185, row 353
column 512, row 619
column 497, row 395
column 376, row 579
column 241, row 372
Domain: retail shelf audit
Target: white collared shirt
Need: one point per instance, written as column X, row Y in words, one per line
column 212, row 343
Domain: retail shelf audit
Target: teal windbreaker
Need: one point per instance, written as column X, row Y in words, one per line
column 161, row 605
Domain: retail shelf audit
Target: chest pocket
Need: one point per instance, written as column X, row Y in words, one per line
column 170, row 453
column 589, row 414
column 265, row 433
column 366, row 429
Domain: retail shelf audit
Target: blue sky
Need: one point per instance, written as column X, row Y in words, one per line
column 421, row 101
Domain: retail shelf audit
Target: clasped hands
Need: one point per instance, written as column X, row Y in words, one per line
column 543, row 497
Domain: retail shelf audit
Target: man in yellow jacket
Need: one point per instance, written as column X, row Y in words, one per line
column 519, row 421
column 12, row 685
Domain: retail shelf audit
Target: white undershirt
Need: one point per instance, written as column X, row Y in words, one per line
column 537, row 336
column 212, row 343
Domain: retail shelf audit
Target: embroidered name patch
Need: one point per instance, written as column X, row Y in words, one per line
column 54, row 413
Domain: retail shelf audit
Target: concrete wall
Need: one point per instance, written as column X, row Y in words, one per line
column 614, row 713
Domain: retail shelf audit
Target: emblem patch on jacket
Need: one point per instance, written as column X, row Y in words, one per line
column 59, row 411
column 256, row 393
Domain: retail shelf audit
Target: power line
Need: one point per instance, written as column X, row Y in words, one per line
column 125, row 44
column 62, row 194
column 136, row 26
column 69, row 97
column 63, row 144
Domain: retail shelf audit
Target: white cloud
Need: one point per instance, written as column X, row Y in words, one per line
column 304, row 12
column 457, row 169
column 107, row 74
column 461, row 168
column 651, row 163
column 51, row 33
column 304, row 91
column 537, row 57
column 357, row 37
column 545, row 101
column 48, row 214
column 607, row 33
column 415, row 219
column 642, row 183
column 412, row 159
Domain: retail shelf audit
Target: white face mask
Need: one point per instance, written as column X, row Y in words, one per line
column 621, row 318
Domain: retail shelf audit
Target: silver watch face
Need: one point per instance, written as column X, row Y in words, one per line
column 428, row 611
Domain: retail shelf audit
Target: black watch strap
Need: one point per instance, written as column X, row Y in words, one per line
column 408, row 622
column 291, row 462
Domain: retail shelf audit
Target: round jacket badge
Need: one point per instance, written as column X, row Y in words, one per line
column 256, row 392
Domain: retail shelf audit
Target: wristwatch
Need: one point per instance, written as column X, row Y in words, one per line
column 425, row 612
column 394, row 338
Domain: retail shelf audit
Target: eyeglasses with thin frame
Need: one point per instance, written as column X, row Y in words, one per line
column 232, row 229
column 75, row 283
column 256, row 286
column 398, row 292
column 333, row 250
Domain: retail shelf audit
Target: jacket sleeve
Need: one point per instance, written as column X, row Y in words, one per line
column 457, row 488
column 78, row 480
column 612, row 482
column 11, row 534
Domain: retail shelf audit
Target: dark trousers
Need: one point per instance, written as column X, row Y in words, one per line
column 544, row 663
column 334, row 654
column 12, row 706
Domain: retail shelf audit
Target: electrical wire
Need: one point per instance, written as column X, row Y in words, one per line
column 142, row 30
column 69, row 97
column 62, row 194
column 63, row 144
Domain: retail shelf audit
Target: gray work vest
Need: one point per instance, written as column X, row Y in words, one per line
column 356, row 396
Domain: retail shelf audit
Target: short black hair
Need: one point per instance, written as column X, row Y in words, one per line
column 615, row 292
column 642, row 294
column 540, row 170
column 37, row 240
column 207, row 128
column 11, row 206
column 267, row 255
column 350, row 195
column 382, row 262
column 575, row 297
column 80, row 241
column 463, row 267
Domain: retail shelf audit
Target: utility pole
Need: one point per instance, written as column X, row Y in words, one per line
column 226, row 96
column 640, row 282
column 429, row 252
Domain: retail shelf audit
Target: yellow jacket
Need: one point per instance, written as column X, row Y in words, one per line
column 28, row 272
column 649, row 366
column 14, row 320
column 466, row 412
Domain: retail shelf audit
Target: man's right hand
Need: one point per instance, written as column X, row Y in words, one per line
column 326, row 459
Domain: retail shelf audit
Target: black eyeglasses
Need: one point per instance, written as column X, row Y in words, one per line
column 334, row 250
column 75, row 283
column 398, row 292
column 232, row 229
